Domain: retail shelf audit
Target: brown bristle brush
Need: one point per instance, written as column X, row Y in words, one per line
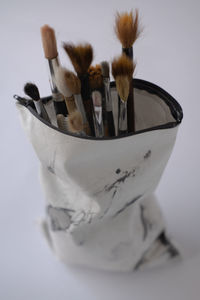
column 81, row 57
column 75, row 123
column 128, row 30
column 51, row 54
column 73, row 84
column 122, row 71
column 32, row 91
column 96, row 86
column 105, row 69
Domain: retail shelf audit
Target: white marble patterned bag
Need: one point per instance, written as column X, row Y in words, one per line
column 100, row 207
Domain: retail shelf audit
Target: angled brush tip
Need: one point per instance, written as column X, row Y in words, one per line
column 32, row 91
column 127, row 28
column 49, row 42
column 105, row 69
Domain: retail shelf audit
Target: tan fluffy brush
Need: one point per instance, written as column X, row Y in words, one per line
column 75, row 122
column 128, row 30
column 122, row 70
column 62, row 77
column 96, row 85
column 81, row 57
column 74, row 85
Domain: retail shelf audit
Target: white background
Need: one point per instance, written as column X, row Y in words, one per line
column 168, row 54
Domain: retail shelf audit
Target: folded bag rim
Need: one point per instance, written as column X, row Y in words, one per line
column 174, row 106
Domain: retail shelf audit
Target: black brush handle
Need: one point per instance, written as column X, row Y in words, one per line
column 110, row 122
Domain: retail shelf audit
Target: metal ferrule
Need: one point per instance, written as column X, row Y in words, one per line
column 108, row 98
column 123, row 116
column 128, row 52
column 80, row 107
column 98, row 114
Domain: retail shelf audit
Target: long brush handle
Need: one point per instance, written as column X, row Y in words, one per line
column 130, row 102
column 108, row 104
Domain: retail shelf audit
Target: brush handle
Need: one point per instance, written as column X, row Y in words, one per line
column 130, row 102
column 70, row 103
column 86, row 96
column 81, row 109
column 98, row 113
column 110, row 122
column 131, row 109
column 59, row 104
column 109, row 107
column 41, row 110
column 59, row 101
column 122, row 118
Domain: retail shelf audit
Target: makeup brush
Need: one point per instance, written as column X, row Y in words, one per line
column 32, row 91
column 127, row 30
column 96, row 85
column 74, row 85
column 62, row 75
column 122, row 71
column 51, row 54
column 75, row 123
column 62, row 122
column 108, row 99
column 81, row 57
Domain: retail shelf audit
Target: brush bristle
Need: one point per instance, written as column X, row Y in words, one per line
column 122, row 85
column 32, row 91
column 95, row 77
column 73, row 83
column 75, row 122
column 127, row 28
column 81, row 56
column 49, row 42
column 123, row 66
column 60, row 75
column 105, row 69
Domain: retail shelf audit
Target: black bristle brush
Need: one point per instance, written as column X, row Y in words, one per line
column 32, row 91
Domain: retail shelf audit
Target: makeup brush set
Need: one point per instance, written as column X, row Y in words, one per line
column 83, row 101
column 103, row 147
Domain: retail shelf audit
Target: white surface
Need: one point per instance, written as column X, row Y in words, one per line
column 167, row 54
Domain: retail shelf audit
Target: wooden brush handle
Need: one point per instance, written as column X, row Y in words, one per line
column 70, row 103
